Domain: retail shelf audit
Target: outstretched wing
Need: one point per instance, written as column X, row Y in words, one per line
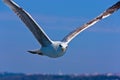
column 105, row 14
column 39, row 34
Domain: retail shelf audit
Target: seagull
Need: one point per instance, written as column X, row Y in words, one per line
column 50, row 48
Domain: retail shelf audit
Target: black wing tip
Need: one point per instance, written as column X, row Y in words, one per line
column 116, row 5
column 11, row 4
column 7, row 1
column 113, row 8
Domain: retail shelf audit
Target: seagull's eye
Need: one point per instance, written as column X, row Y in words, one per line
column 60, row 45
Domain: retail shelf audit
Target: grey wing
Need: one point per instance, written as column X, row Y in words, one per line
column 39, row 34
column 105, row 14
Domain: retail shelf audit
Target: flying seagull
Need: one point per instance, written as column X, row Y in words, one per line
column 51, row 48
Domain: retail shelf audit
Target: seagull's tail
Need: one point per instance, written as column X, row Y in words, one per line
column 36, row 52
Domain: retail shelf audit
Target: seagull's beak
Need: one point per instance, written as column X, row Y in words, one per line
column 62, row 46
column 63, row 49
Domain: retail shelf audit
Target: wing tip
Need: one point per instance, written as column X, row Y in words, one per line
column 11, row 4
column 7, row 1
column 115, row 7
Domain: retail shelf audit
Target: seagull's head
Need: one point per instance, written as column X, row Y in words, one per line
column 60, row 46
column 63, row 46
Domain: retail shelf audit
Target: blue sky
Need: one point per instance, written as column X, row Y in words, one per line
column 97, row 49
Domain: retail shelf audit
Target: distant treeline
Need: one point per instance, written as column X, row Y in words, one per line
column 16, row 76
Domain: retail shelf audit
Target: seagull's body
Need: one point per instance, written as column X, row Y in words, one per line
column 51, row 48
